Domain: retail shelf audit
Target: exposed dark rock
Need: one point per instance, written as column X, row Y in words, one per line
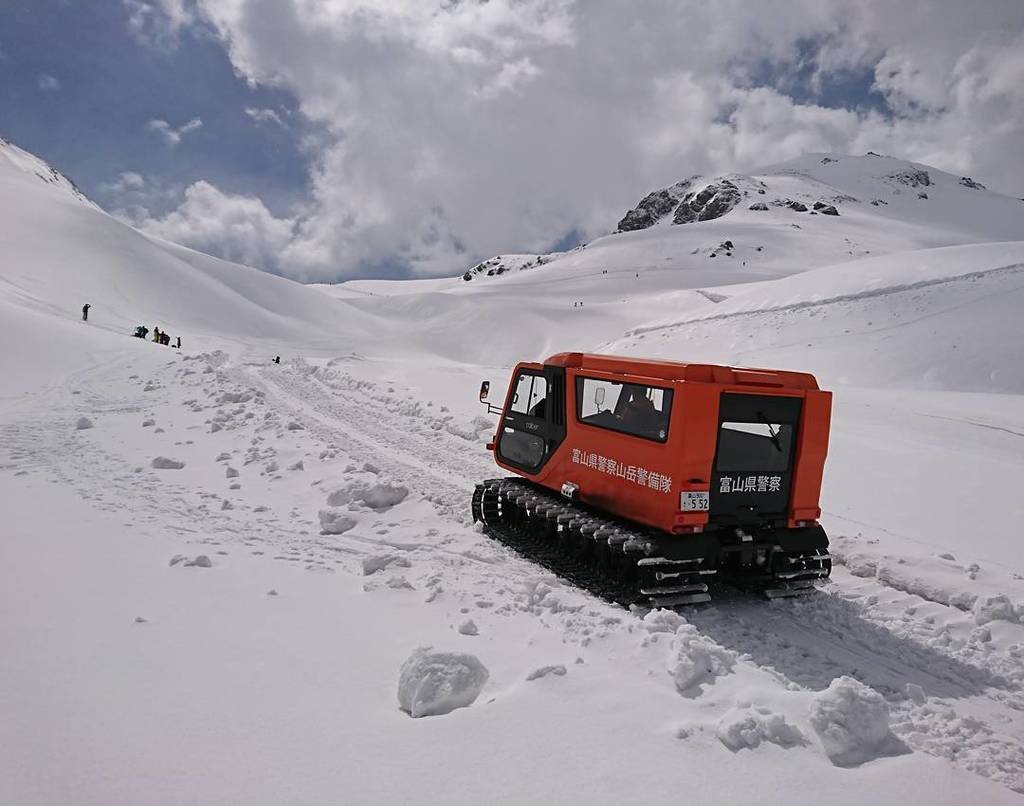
column 829, row 209
column 820, row 205
column 714, row 201
column 827, row 160
column 799, row 207
column 467, row 276
column 967, row 182
column 653, row 207
column 878, row 202
column 758, row 206
column 912, row 177
column 922, row 195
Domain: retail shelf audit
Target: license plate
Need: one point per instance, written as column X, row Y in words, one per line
column 693, row 501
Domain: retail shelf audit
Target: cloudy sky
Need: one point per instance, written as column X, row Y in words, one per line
column 327, row 139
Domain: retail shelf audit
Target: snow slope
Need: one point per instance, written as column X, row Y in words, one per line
column 216, row 566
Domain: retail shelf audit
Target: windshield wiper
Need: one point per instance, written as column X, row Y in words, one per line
column 774, row 435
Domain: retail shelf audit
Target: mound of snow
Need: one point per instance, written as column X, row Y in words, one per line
column 557, row 670
column 747, row 727
column 83, row 423
column 433, row 683
column 989, row 608
column 335, row 522
column 852, row 721
column 696, row 659
column 164, row 463
column 378, row 496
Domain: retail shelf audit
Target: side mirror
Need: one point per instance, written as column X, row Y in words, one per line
column 599, row 396
column 485, row 390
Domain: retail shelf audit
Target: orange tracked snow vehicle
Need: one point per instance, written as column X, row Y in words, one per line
column 645, row 480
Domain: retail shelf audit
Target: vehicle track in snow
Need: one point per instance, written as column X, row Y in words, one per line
column 973, row 713
column 803, row 643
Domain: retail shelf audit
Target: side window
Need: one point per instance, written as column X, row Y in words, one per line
column 530, row 395
column 635, row 409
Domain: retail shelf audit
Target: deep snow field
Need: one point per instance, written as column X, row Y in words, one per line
column 217, row 570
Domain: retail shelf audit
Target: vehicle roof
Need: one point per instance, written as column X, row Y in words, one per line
column 679, row 371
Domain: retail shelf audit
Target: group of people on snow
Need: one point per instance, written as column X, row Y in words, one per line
column 159, row 336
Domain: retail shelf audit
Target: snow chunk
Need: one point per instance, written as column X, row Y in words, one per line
column 852, row 721
column 378, row 497
column 743, row 728
column 202, row 561
column 335, row 522
column 163, row 463
column 662, row 620
column 468, row 627
column 544, row 671
column 696, row 659
column 371, row 565
column 989, row 608
column 83, row 423
column 433, row 683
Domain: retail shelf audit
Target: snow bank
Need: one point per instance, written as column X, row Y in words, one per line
column 747, row 727
column 696, row 659
column 433, row 683
column 852, row 721
column 163, row 463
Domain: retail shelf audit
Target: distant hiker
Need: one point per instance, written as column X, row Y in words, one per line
column 277, row 359
column 156, row 334
column 165, row 339
column 178, row 345
column 141, row 331
column 85, row 312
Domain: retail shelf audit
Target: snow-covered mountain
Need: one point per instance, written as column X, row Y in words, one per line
column 221, row 566
column 816, row 210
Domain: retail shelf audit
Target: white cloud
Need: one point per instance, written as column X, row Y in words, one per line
column 237, row 228
column 265, row 116
column 172, row 136
column 48, row 83
column 128, row 182
column 456, row 130
column 159, row 22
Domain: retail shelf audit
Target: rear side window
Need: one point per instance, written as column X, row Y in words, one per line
column 754, row 446
column 635, row 409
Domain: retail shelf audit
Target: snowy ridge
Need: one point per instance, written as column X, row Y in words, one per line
column 13, row 157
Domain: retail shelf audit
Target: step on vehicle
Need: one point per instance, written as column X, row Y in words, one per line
column 644, row 481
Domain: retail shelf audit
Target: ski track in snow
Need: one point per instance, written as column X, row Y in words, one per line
column 973, row 713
